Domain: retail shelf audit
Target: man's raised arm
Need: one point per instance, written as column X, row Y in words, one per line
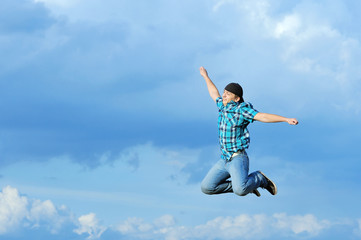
column 212, row 89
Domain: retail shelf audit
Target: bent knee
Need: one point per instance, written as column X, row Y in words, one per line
column 240, row 191
column 207, row 189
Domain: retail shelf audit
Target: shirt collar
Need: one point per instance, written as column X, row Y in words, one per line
column 231, row 104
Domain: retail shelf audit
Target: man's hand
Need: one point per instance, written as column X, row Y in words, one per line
column 203, row 72
column 292, row 121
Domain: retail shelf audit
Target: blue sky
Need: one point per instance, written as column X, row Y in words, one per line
column 107, row 129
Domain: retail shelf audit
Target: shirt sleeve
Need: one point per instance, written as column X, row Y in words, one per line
column 248, row 112
column 219, row 102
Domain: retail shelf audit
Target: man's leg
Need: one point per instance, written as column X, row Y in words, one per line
column 215, row 182
column 242, row 182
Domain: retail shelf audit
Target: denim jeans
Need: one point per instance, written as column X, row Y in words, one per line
column 241, row 183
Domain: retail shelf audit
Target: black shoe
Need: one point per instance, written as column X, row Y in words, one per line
column 256, row 192
column 271, row 186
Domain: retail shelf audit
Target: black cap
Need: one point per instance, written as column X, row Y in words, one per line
column 236, row 89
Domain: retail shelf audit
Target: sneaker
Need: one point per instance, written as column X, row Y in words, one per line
column 271, row 186
column 256, row 192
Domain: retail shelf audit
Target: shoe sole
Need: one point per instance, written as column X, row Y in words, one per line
column 271, row 182
column 256, row 192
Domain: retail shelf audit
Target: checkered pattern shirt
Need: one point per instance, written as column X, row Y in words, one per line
column 233, row 120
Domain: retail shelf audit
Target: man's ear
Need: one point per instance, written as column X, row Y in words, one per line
column 238, row 99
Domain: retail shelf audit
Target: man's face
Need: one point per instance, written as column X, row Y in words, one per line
column 228, row 97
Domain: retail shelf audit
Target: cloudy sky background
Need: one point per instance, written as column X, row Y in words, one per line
column 107, row 129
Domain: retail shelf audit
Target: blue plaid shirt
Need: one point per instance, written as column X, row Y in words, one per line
column 233, row 120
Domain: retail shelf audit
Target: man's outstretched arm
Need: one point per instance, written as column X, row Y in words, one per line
column 273, row 118
column 212, row 89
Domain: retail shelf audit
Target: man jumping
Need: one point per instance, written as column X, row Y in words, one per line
column 230, row 173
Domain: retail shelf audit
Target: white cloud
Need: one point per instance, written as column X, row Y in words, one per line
column 301, row 224
column 89, row 224
column 164, row 221
column 13, row 209
column 42, row 211
column 259, row 226
column 301, row 30
column 20, row 212
column 244, row 225
column 137, row 227
column 16, row 212
column 134, row 226
column 308, row 41
column 288, row 26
